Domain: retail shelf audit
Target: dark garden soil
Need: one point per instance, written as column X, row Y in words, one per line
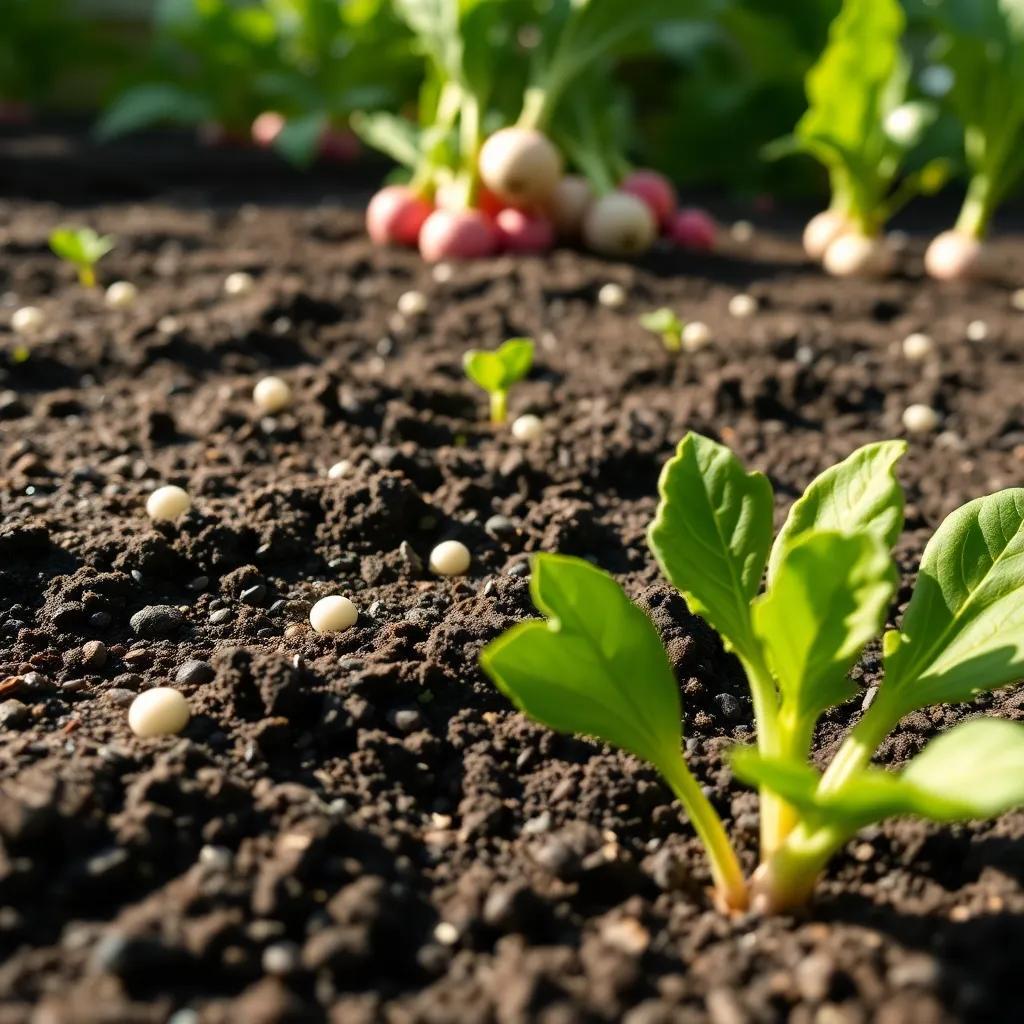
column 359, row 828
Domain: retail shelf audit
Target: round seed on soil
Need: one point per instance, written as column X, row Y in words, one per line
column 917, row 346
column 27, row 320
column 696, row 335
column 1017, row 299
column 239, row 283
column 121, row 295
column 158, row 712
column 272, row 394
column 920, row 419
column 450, row 558
column 339, row 469
column 742, row 305
column 527, row 428
column 977, row 330
column 412, row 303
column 333, row 614
column 612, row 295
column 168, row 502
column 742, row 231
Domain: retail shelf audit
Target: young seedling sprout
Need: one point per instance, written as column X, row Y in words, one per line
column 667, row 325
column 797, row 613
column 83, row 248
column 497, row 371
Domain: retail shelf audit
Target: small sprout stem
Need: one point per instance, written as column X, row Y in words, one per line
column 499, row 407
column 788, row 878
column 86, row 276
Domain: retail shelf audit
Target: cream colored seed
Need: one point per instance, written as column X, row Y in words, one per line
column 168, row 502
column 450, row 558
column 443, row 273
column 340, row 469
column 27, row 320
column 121, row 295
column 272, row 394
column 1017, row 299
column 239, row 283
column 917, row 346
column 743, row 305
column 612, row 295
column 527, row 427
column 158, row 712
column 920, row 419
column 412, row 303
column 333, row 614
column 977, row 330
column 696, row 335
column 742, row 231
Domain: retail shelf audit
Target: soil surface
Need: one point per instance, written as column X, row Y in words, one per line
column 359, row 828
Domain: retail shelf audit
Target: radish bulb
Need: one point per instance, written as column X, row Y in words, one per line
column 266, row 127
column 855, row 255
column 822, row 230
column 656, row 191
column 568, row 204
column 520, row 165
column 457, row 235
column 694, row 229
column 619, row 224
column 524, row 232
column 955, row 255
column 395, row 216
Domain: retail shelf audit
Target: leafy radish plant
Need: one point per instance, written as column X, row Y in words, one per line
column 667, row 326
column 497, row 371
column 83, row 248
column 797, row 613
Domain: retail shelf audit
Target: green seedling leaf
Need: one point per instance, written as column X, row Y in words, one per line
column 497, row 371
column 395, row 136
column 596, row 666
column 828, row 599
column 83, row 248
column 154, row 103
column 861, row 493
column 963, row 631
column 665, row 323
column 711, row 535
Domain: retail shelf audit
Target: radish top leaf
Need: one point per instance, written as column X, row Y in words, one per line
column 81, row 246
column 498, row 370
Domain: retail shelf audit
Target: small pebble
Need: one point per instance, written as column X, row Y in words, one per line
column 194, row 672
column 27, row 320
column 446, row 933
column 977, row 330
column 612, row 295
column 917, row 346
column 450, row 558
column 527, row 428
column 13, row 714
column 121, row 295
column 333, row 614
column 239, row 283
column 281, row 958
column 412, row 303
column 443, row 273
column 499, row 526
column 158, row 712
column 156, row 620
column 920, row 419
column 220, row 616
column 94, row 654
column 168, row 502
column 696, row 335
column 742, row 231
column 256, row 594
column 339, row 469
column 1017, row 299
column 272, row 394
column 743, row 305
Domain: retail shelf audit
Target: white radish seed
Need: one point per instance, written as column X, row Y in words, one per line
column 333, row 614
column 121, row 295
column 743, row 305
column 412, row 303
column 1017, row 299
column 27, row 320
column 442, row 273
column 161, row 711
column 696, row 335
column 272, row 394
column 920, row 419
column 450, row 558
column 742, row 231
column 612, row 295
column 239, row 283
column 977, row 330
column 339, row 469
column 168, row 502
column 917, row 346
column 527, row 428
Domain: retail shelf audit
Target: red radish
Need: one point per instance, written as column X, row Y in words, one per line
column 956, row 255
column 694, row 229
column 524, row 232
column 339, row 146
column 568, row 204
column 822, row 230
column 266, row 127
column 457, row 235
column 395, row 216
column 619, row 224
column 856, row 255
column 656, row 191
column 520, row 166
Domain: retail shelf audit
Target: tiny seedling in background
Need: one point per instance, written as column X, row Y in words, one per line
column 665, row 323
column 83, row 248
column 797, row 613
column 497, row 371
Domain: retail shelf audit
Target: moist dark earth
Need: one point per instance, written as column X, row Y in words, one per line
column 358, row 828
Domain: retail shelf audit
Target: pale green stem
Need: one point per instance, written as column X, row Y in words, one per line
column 499, row 407
column 978, row 207
column 86, row 276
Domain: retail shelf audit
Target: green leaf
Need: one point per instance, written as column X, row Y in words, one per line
column 974, row 771
column 597, row 666
column 81, row 246
column 711, row 534
column 861, row 493
column 963, row 631
column 394, row 136
column 299, row 140
column 497, row 371
column 148, row 105
column 828, row 599
column 664, row 322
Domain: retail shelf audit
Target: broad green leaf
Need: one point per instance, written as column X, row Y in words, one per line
column 861, row 493
column 829, row 598
column 974, row 771
column 963, row 631
column 81, row 246
column 597, row 666
column 395, row 136
column 500, row 369
column 146, row 105
column 711, row 534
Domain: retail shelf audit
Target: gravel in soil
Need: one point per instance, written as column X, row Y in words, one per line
column 357, row 827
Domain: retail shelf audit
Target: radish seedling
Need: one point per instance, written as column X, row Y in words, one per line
column 83, row 248
column 667, row 326
column 497, row 371
column 797, row 613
